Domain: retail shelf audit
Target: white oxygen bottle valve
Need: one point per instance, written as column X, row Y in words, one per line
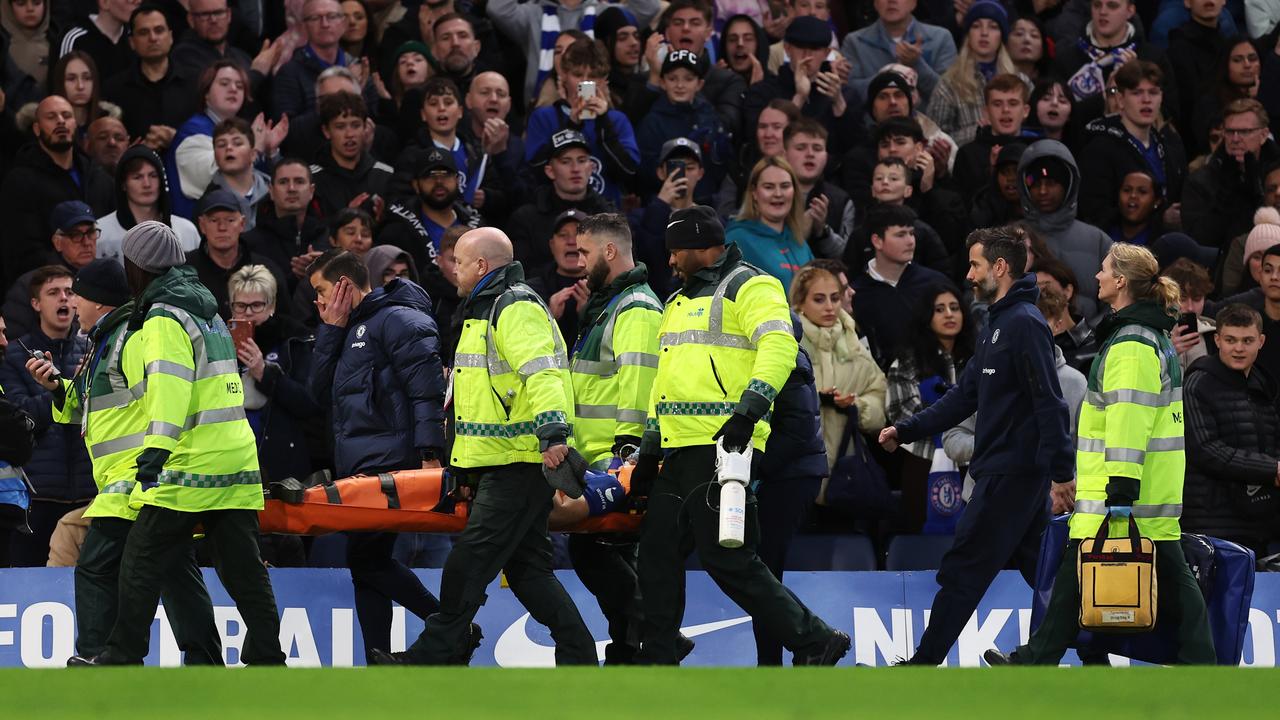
column 733, row 472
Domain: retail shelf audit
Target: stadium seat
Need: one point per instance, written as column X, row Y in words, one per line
column 917, row 552
column 831, row 552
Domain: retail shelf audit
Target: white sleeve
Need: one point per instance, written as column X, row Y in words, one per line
column 194, row 158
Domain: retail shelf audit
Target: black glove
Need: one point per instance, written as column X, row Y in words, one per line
column 621, row 441
column 736, row 433
column 643, row 476
column 1122, row 491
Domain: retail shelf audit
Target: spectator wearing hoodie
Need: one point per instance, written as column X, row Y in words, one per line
column 1133, row 140
column 999, row 202
column 610, row 138
column 1022, row 445
column 534, row 26
column 234, row 152
column 682, row 112
column 897, row 36
column 744, row 48
column 386, row 396
column 59, row 468
column 771, row 228
column 142, row 193
column 1233, row 457
column 1050, row 186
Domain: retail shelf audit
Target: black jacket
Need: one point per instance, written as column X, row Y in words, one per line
column 280, row 239
column 1233, row 440
column 795, row 448
column 532, row 225
column 144, row 103
column 402, row 227
column 1193, row 52
column 336, row 185
column 880, row 307
column 293, row 440
column 783, row 86
column 973, row 161
column 59, row 467
column 1012, row 383
column 1220, row 198
column 215, row 278
column 34, row 185
column 381, row 375
column 1109, row 154
column 724, row 89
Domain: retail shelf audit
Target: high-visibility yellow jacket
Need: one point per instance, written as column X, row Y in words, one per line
column 511, row 393
column 197, row 451
column 1130, row 427
column 726, row 347
column 614, row 363
column 102, row 403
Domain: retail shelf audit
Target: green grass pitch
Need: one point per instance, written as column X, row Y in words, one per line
column 649, row 693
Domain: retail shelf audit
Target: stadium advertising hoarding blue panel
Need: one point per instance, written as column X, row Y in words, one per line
column 884, row 612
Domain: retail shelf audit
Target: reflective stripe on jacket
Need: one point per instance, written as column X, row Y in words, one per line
column 1131, row 426
column 726, row 347
column 613, row 371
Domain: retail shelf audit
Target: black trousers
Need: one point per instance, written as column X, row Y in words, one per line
column 1001, row 527
column 379, row 579
column 782, row 504
column 606, row 565
column 33, row 550
column 507, row 531
column 683, row 515
column 1180, row 604
column 158, row 547
column 186, row 600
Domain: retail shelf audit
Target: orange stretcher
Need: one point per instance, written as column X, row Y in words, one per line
column 404, row 501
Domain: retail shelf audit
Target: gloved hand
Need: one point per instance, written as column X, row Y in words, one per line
column 643, row 476
column 1121, row 512
column 604, row 493
column 736, row 432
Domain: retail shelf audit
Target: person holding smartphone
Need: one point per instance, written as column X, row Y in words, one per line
column 679, row 169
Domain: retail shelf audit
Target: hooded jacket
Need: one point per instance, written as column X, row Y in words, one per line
column 696, row 121
column 1012, row 381
column 381, row 377
column 112, row 227
column 1081, row 246
column 1232, row 433
column 34, row 185
column 1110, row 153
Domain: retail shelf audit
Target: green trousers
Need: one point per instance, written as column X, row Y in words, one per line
column 158, row 547
column 683, row 515
column 1178, row 598
column 186, row 600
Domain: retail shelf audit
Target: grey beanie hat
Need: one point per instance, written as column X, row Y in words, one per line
column 153, row 246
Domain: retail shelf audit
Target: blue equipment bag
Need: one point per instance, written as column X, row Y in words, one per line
column 1223, row 570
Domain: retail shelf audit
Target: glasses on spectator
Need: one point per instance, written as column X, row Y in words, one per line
column 1240, row 132
column 210, row 15
column 254, row 307
column 325, row 19
column 81, row 236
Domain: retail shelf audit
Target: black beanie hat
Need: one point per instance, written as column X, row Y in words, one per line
column 102, row 281
column 694, row 228
column 890, row 79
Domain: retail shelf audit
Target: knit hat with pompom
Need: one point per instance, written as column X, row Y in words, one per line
column 1265, row 232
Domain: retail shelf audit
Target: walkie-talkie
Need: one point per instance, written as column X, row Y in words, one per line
column 42, row 355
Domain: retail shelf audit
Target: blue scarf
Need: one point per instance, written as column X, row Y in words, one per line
column 551, row 30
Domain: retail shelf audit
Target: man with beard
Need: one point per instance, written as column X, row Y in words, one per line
column 613, row 366
column 455, row 51
column 46, row 172
column 1022, row 440
column 418, row 230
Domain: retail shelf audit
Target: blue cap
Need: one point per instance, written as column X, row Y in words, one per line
column 67, row 215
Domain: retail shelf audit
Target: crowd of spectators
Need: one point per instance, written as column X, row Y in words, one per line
column 849, row 148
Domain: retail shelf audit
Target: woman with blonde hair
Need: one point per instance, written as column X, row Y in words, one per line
column 1130, row 461
column 956, row 104
column 771, row 226
column 844, row 372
